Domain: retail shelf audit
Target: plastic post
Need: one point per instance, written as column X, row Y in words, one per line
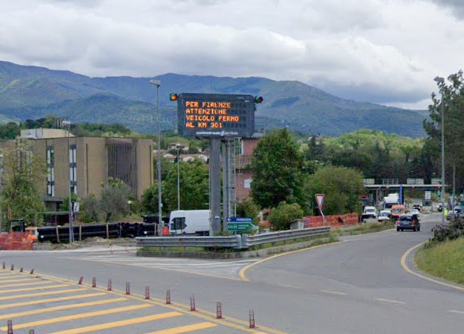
column 192, row 303
column 127, row 288
column 168, row 297
column 110, row 285
column 94, row 282
column 10, row 327
column 21, row 270
column 32, row 271
column 80, row 280
column 12, row 267
column 218, row 310
column 147, row 292
column 252, row 319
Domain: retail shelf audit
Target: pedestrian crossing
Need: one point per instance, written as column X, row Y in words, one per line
column 227, row 269
column 52, row 305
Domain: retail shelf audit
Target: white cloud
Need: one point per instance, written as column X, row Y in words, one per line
column 385, row 51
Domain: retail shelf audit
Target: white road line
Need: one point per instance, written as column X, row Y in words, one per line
column 454, row 311
column 334, row 292
column 390, row 301
column 289, row 286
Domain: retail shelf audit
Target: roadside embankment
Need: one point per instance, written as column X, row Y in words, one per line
column 445, row 259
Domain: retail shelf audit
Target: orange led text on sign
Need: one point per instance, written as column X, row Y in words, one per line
column 208, row 114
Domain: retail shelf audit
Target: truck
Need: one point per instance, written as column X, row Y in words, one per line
column 390, row 200
column 190, row 222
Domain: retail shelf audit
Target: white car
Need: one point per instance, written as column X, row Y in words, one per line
column 384, row 215
column 369, row 212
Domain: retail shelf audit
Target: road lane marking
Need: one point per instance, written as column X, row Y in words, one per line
column 334, row 292
column 51, row 300
column 390, row 301
column 289, row 286
column 25, row 284
column 42, row 294
column 185, row 329
column 33, row 289
column 454, row 311
column 157, row 268
column 121, row 323
column 16, row 280
column 409, row 270
column 78, row 316
column 60, row 308
column 231, row 322
column 244, row 269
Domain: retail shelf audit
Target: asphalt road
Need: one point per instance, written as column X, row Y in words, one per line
column 359, row 285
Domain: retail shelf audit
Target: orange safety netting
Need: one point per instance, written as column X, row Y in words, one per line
column 336, row 221
column 15, row 241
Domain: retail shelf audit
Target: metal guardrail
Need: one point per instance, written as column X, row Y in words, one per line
column 235, row 241
column 265, row 238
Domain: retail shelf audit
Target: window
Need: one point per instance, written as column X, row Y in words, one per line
column 50, row 158
column 178, row 223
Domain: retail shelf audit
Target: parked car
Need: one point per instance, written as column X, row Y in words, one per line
column 408, row 222
column 384, row 215
column 417, row 206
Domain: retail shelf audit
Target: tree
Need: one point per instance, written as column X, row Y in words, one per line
column 194, row 186
column 452, row 98
column 90, row 210
column 114, row 200
column 23, row 174
column 150, row 199
column 341, row 187
column 247, row 208
column 277, row 168
column 284, row 214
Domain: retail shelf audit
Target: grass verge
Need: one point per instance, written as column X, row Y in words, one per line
column 445, row 260
column 366, row 228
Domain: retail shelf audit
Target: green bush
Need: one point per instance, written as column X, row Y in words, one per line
column 284, row 214
column 451, row 231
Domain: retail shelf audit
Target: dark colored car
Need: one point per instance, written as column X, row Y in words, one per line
column 408, row 222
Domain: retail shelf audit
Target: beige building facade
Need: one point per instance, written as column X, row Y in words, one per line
column 91, row 162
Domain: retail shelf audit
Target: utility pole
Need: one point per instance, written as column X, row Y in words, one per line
column 157, row 83
column 70, row 208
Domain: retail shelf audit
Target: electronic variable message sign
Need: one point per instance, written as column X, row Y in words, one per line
column 216, row 115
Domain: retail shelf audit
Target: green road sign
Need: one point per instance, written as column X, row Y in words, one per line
column 239, row 227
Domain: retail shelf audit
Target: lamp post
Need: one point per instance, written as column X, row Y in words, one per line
column 157, row 83
column 178, row 178
column 129, row 203
column 70, row 208
column 440, row 80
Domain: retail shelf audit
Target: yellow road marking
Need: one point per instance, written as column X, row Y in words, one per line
column 42, row 294
column 59, row 308
column 185, row 329
column 231, row 322
column 78, row 316
column 334, row 292
column 7, row 275
column 389, row 301
column 121, row 323
column 34, row 289
column 407, row 269
column 25, row 284
column 16, row 280
column 51, row 300
column 454, row 311
column 244, row 269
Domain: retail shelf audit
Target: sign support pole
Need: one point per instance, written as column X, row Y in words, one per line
column 215, row 185
column 225, row 183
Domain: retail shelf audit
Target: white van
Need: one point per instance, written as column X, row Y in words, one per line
column 190, row 222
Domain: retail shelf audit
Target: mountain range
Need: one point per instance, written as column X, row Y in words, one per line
column 31, row 92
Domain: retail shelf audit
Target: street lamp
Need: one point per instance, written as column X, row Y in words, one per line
column 70, row 208
column 440, row 80
column 157, row 83
column 129, row 202
column 178, row 178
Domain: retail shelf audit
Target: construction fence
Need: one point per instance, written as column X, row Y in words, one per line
column 335, row 221
column 15, row 241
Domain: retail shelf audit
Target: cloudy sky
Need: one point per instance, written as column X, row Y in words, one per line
column 383, row 51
